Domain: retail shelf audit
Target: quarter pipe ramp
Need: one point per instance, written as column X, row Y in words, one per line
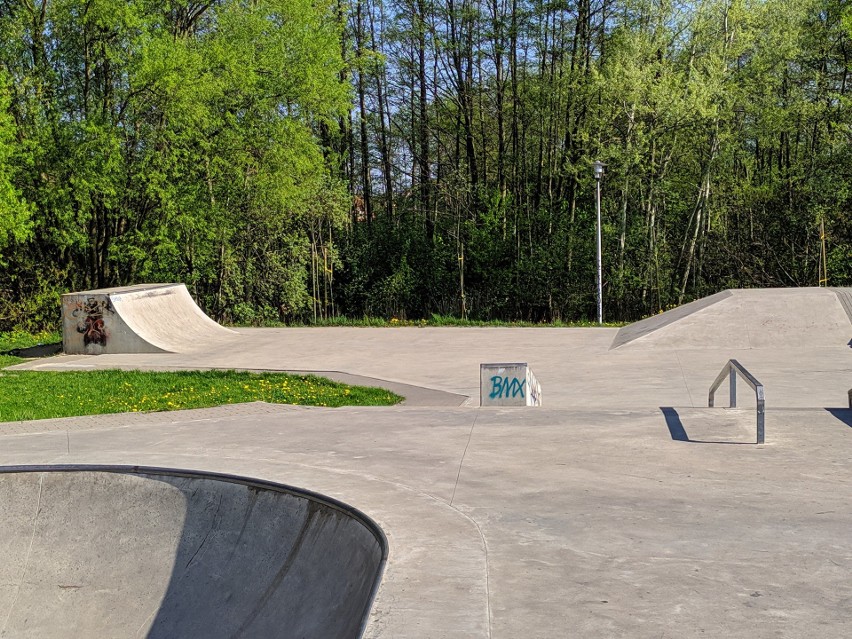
column 146, row 318
column 134, row 552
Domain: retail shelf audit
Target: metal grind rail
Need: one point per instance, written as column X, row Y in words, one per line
column 731, row 370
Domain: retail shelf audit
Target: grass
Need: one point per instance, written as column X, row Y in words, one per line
column 446, row 320
column 15, row 340
column 9, row 360
column 26, row 395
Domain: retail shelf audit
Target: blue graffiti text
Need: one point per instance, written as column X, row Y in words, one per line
column 506, row 387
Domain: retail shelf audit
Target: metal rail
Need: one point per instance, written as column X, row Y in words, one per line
column 731, row 369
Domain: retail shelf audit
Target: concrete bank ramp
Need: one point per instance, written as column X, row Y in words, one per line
column 748, row 318
column 132, row 552
column 145, row 318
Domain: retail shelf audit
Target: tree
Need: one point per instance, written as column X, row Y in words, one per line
column 15, row 212
column 179, row 141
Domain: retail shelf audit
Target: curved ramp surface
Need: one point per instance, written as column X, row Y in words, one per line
column 746, row 318
column 146, row 318
column 133, row 552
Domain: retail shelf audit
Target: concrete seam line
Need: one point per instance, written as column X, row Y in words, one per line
column 683, row 376
column 461, row 461
column 487, row 584
column 27, row 560
column 145, row 623
column 476, row 524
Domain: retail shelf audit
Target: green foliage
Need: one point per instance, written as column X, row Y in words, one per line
column 9, row 360
column 15, row 212
column 450, row 320
column 218, row 144
column 725, row 127
column 168, row 141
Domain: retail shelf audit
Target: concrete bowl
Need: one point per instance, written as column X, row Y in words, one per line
column 117, row 551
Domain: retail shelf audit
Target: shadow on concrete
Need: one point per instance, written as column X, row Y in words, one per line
column 843, row 414
column 676, row 429
column 679, row 434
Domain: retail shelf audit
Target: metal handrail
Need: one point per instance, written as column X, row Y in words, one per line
column 730, row 370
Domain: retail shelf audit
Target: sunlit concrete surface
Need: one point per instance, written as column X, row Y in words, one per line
column 795, row 341
column 622, row 508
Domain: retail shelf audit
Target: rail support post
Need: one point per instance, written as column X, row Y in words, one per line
column 731, row 370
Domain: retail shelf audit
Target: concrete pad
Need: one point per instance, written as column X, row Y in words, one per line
column 575, row 367
column 507, row 522
column 623, row 508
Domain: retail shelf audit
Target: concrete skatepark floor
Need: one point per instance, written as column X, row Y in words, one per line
column 622, row 508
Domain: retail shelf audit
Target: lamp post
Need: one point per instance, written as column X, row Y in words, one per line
column 599, row 170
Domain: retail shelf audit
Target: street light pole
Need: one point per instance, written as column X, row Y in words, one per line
column 599, row 169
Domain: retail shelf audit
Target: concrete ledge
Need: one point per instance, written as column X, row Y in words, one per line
column 508, row 385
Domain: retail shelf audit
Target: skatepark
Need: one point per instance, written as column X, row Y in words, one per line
column 622, row 507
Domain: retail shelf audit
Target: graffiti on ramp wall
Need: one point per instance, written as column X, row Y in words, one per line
column 90, row 320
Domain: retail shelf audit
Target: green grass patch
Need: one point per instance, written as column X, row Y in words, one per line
column 448, row 320
column 9, row 360
column 26, row 395
column 16, row 340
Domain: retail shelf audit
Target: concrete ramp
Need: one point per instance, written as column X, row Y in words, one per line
column 747, row 318
column 135, row 552
column 146, row 318
column 844, row 296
